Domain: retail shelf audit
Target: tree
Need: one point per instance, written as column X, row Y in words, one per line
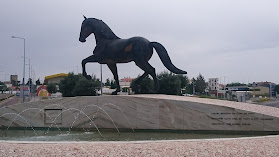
column 234, row 84
column 146, row 86
column 112, row 84
column 29, row 81
column 184, row 80
column 200, row 84
column 38, row 82
column 107, row 82
column 67, row 85
column 171, row 83
column 77, row 85
column 51, row 88
column 86, row 87
column 3, row 87
column 277, row 88
column 189, row 88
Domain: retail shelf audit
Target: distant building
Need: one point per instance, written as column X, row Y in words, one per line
column 238, row 88
column 125, row 84
column 56, row 78
column 260, row 91
column 14, row 80
column 264, row 88
column 8, row 84
column 213, row 84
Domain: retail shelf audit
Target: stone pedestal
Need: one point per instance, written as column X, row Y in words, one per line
column 142, row 112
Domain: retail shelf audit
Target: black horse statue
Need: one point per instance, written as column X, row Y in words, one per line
column 110, row 50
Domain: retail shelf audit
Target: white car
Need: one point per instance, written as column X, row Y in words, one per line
column 53, row 95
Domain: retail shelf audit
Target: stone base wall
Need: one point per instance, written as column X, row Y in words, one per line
column 136, row 112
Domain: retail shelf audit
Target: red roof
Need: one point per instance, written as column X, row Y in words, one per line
column 127, row 80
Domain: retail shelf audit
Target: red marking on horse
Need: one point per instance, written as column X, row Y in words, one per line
column 128, row 48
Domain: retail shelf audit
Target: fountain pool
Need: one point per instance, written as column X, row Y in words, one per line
column 112, row 135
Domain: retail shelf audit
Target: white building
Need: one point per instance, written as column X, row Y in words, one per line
column 213, row 83
column 125, row 82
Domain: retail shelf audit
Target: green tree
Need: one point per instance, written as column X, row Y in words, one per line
column 51, row 88
column 234, row 84
column 277, row 88
column 77, row 85
column 171, row 83
column 67, row 85
column 112, row 84
column 38, row 82
column 107, row 82
column 146, row 86
column 190, row 88
column 184, row 80
column 200, row 84
column 3, row 87
column 86, row 87
column 29, row 81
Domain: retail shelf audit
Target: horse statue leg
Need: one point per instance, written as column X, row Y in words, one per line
column 113, row 69
column 137, row 82
column 148, row 69
column 86, row 60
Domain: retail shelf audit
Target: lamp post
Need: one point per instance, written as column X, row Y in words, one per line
column 194, row 88
column 101, row 79
column 23, row 96
column 29, row 80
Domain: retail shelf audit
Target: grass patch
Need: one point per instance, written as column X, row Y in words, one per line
column 262, row 100
column 44, row 98
column 206, row 96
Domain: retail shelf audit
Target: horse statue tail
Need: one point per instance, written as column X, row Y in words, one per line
column 163, row 54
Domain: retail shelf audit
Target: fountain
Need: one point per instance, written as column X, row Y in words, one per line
column 137, row 117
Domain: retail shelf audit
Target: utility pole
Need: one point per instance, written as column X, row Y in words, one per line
column 101, row 80
column 270, row 91
column 23, row 83
column 29, row 82
column 194, row 88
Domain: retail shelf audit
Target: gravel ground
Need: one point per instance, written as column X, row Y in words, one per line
column 255, row 146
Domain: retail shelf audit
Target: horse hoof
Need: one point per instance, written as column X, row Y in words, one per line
column 114, row 93
column 88, row 77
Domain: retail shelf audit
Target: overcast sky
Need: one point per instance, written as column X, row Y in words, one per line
column 237, row 41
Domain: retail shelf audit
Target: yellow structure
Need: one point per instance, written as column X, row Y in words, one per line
column 56, row 78
column 43, row 93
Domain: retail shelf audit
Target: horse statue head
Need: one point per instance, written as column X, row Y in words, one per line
column 96, row 26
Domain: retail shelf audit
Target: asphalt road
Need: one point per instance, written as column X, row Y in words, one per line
column 272, row 103
column 10, row 101
column 4, row 95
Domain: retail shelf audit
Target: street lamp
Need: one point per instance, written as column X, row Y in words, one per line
column 23, row 96
column 101, row 79
column 29, row 79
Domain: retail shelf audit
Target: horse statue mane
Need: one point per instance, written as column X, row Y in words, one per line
column 101, row 28
column 110, row 50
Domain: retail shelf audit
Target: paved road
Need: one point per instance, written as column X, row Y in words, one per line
column 10, row 101
column 273, row 103
column 4, row 95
